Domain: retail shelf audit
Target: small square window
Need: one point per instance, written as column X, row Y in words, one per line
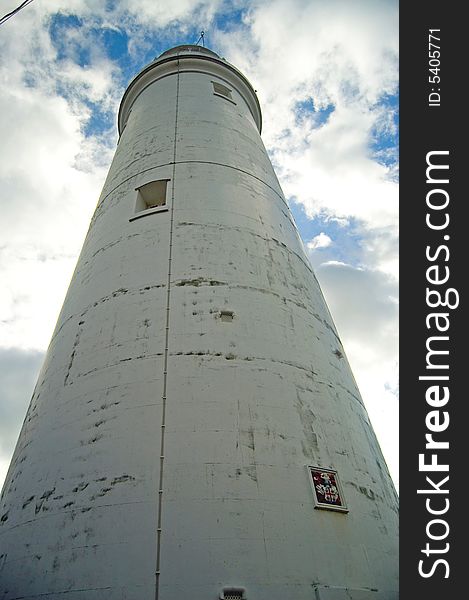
column 223, row 91
column 152, row 194
column 226, row 316
column 151, row 197
column 233, row 594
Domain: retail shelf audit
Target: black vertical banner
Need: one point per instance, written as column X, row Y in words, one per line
column 434, row 475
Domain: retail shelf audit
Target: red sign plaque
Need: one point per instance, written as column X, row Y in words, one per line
column 327, row 489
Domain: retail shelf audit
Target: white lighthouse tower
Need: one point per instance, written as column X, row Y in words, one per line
column 195, row 431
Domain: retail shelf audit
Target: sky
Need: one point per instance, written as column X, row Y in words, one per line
column 326, row 74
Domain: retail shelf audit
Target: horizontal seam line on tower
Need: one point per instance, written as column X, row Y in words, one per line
column 62, row 592
column 108, row 297
column 266, row 239
column 253, row 358
column 76, row 509
column 151, row 66
column 181, row 162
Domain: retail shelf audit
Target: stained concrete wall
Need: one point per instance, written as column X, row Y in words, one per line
column 165, row 448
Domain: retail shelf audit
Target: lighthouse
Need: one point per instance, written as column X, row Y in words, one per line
column 196, row 431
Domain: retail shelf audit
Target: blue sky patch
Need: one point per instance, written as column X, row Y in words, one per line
column 59, row 28
column 346, row 241
column 305, row 108
column 385, row 137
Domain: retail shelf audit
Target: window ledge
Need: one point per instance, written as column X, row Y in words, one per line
column 148, row 211
column 224, row 97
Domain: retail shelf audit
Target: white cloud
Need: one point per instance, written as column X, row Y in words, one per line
column 335, row 54
column 162, row 13
column 18, row 372
column 319, row 241
column 329, row 170
column 47, row 202
column 49, row 173
column 364, row 307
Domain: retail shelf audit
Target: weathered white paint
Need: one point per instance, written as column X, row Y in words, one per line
column 140, row 351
